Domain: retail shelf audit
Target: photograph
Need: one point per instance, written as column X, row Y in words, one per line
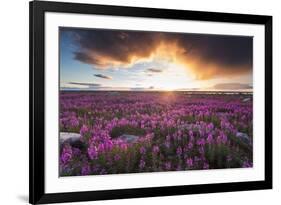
column 131, row 102
column 137, row 101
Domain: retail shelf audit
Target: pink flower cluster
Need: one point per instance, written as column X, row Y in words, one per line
column 173, row 131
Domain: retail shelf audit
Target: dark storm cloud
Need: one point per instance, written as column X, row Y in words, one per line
column 103, row 76
column 216, row 55
column 207, row 56
column 104, row 48
column 225, row 50
column 85, row 84
column 154, row 70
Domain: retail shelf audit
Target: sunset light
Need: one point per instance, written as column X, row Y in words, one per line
column 149, row 61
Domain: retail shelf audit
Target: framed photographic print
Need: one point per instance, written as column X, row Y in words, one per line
column 140, row 102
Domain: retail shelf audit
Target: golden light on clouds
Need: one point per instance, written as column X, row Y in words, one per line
column 168, row 51
column 197, row 57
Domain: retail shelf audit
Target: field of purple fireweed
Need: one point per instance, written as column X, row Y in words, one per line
column 129, row 132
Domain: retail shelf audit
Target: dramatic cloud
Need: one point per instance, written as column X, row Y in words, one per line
column 85, row 84
column 232, row 86
column 103, row 76
column 205, row 56
column 154, row 70
column 104, row 48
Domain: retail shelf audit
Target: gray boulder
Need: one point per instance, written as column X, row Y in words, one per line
column 71, row 138
column 129, row 138
column 243, row 137
column 246, row 99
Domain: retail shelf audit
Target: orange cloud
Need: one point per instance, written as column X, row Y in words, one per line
column 204, row 56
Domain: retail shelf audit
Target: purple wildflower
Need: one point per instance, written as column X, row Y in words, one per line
column 86, row 169
column 117, row 157
column 155, row 150
column 210, row 138
column 205, row 165
column 66, row 154
column 142, row 150
column 84, row 129
column 142, row 164
column 93, row 152
column 179, row 151
column 222, row 138
column 189, row 162
column 168, row 165
column 247, row 164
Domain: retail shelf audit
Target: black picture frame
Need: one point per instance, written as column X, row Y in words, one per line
column 37, row 11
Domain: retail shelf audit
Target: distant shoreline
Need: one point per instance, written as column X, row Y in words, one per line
column 160, row 91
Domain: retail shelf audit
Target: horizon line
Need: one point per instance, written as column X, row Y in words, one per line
column 219, row 91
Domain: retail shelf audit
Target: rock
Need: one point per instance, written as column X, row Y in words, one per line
column 243, row 137
column 71, row 138
column 246, row 99
column 129, row 138
column 186, row 126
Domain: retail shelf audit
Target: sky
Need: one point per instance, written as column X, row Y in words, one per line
column 100, row 59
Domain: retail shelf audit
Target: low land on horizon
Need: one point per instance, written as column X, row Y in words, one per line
column 245, row 92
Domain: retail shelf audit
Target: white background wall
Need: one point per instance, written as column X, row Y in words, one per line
column 14, row 100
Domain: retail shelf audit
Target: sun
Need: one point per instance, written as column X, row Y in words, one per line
column 174, row 78
column 170, row 88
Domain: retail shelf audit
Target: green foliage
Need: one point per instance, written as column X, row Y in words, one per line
column 70, row 129
column 222, row 156
column 188, row 118
column 238, row 142
column 127, row 129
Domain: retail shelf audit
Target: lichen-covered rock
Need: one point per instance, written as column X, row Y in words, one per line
column 243, row 137
column 71, row 138
column 129, row 138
